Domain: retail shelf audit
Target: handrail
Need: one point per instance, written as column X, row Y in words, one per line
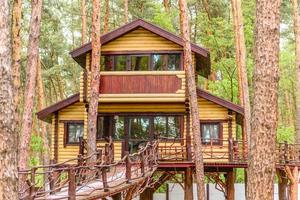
column 69, row 180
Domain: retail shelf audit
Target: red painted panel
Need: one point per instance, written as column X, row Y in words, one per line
column 135, row 84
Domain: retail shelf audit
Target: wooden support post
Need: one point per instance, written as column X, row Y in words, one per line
column 282, row 185
column 104, row 178
column 230, row 180
column 128, row 167
column 294, row 180
column 117, row 196
column 188, row 184
column 142, row 157
column 147, row 194
column 32, row 186
column 72, row 184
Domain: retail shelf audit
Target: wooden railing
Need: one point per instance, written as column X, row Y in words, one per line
column 288, row 153
column 214, row 150
column 89, row 178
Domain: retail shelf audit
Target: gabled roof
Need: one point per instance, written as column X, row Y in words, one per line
column 202, row 55
column 45, row 114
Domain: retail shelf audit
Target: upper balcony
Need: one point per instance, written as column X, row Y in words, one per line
column 147, row 77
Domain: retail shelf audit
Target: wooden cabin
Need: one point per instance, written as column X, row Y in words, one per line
column 142, row 98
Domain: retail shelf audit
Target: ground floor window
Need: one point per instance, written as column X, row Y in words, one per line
column 73, row 131
column 139, row 127
column 211, row 133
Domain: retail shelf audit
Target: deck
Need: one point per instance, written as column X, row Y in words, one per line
column 82, row 178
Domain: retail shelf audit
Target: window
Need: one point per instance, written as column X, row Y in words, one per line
column 211, row 133
column 167, row 127
column 166, row 62
column 139, row 63
column 145, row 62
column 74, row 130
column 105, row 127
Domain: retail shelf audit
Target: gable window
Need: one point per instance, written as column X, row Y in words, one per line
column 211, row 133
column 144, row 62
column 166, row 62
column 73, row 131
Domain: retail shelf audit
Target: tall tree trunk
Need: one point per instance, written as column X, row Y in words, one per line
column 240, row 49
column 261, row 169
column 41, row 105
column 297, row 55
column 32, row 64
column 126, row 11
column 95, row 79
column 16, row 53
column 106, row 18
column 190, row 73
column 83, row 21
column 8, row 142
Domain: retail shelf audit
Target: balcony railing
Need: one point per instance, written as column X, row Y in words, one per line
column 129, row 86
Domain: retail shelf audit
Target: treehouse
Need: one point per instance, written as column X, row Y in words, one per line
column 143, row 97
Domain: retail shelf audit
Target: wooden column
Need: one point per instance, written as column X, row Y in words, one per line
column 147, row 194
column 188, row 184
column 282, row 185
column 230, row 179
column 294, row 180
column 117, row 196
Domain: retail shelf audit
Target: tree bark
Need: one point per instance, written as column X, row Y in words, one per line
column 83, row 21
column 230, row 180
column 240, row 56
column 261, row 170
column 95, row 80
column 294, row 181
column 188, row 184
column 106, row 18
column 190, row 74
column 41, row 105
column 126, row 11
column 31, row 68
column 297, row 55
column 8, row 142
column 16, row 53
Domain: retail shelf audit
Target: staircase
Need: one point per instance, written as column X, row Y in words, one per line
column 92, row 177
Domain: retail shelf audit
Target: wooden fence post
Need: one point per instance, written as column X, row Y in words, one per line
column 32, row 186
column 128, row 167
column 72, row 184
column 286, row 151
column 142, row 157
column 104, row 169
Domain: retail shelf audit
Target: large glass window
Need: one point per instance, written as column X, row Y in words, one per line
column 167, row 127
column 166, row 62
column 74, row 131
column 210, row 133
column 145, row 62
column 139, row 63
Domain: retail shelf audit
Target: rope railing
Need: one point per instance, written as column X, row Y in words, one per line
column 81, row 177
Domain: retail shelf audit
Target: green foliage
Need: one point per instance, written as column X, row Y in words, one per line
column 285, row 134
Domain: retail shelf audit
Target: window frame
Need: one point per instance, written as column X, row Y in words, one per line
column 151, row 130
column 150, row 54
column 66, row 131
column 220, row 133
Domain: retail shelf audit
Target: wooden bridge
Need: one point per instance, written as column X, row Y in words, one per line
column 88, row 178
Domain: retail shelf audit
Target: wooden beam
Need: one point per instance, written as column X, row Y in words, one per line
column 117, row 196
column 188, row 183
column 230, row 179
column 147, row 194
column 162, row 179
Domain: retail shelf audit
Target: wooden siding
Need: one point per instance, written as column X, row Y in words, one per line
column 139, row 84
column 208, row 111
column 140, row 40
